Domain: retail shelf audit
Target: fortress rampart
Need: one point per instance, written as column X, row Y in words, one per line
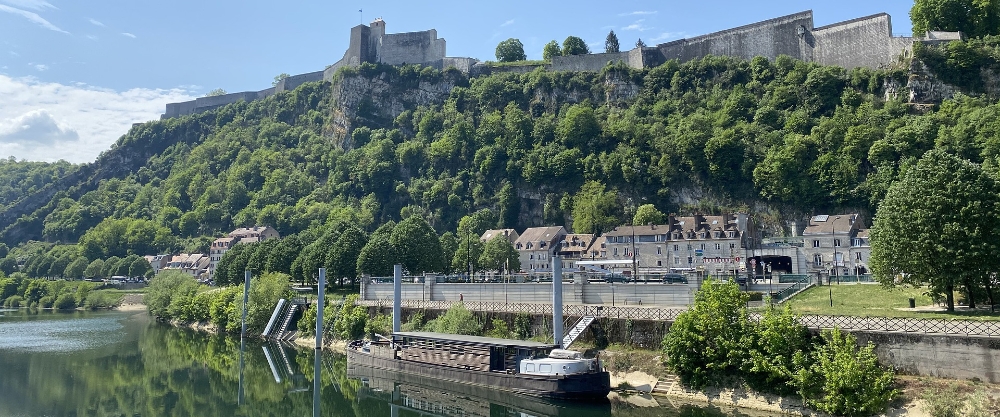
column 862, row 42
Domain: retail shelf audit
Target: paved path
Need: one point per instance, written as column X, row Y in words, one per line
column 636, row 312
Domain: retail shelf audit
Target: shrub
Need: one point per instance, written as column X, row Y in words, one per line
column 102, row 299
column 221, row 306
column 13, row 301
column 46, row 301
column 163, row 288
column 522, row 326
column 499, row 329
column 457, row 320
column 841, row 379
column 947, row 402
column 307, row 324
column 380, row 324
column 66, row 301
column 415, row 323
column 706, row 343
column 776, row 340
column 265, row 291
column 351, row 321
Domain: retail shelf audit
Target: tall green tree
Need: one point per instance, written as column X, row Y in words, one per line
column 377, row 256
column 342, row 259
column 974, row 17
column 611, row 43
column 417, row 246
column 574, row 45
column 467, row 254
column 499, row 255
column 648, row 214
column 595, row 208
column 77, row 268
column 640, row 44
column 94, row 269
column 510, row 50
column 550, row 50
column 279, row 78
column 937, row 226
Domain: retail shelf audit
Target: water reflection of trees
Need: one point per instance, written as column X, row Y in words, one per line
column 175, row 372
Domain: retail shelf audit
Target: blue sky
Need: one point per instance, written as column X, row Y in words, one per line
column 74, row 75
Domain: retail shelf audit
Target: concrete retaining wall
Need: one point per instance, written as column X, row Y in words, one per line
column 654, row 294
column 938, row 355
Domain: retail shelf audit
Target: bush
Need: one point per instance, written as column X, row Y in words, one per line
column 380, row 324
column 706, row 343
column 13, row 301
column 457, row 320
column 522, row 326
column 841, row 379
column 415, row 323
column 947, row 402
column 350, row 323
column 163, row 288
column 265, row 291
column 221, row 306
column 46, row 301
column 101, row 299
column 66, row 301
column 500, row 330
column 777, row 339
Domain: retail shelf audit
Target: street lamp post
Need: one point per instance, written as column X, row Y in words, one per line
column 833, row 231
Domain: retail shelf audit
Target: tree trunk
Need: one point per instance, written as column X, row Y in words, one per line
column 950, row 296
column 970, row 294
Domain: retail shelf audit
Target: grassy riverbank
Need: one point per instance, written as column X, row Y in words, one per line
column 876, row 301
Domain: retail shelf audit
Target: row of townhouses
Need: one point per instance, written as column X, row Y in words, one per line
column 201, row 266
column 718, row 245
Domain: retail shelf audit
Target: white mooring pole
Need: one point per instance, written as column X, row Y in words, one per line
column 246, row 298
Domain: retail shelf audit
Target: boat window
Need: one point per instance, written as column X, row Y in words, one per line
column 529, row 367
column 545, row 368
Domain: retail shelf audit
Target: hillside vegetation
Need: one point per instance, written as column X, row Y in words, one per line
column 781, row 139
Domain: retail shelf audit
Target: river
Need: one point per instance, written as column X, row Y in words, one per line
column 125, row 364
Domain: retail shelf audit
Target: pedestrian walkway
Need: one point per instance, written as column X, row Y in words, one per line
column 871, row 324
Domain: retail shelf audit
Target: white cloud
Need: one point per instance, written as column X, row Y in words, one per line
column 40, row 67
column 95, row 22
column 12, row 53
column 128, row 34
column 92, row 37
column 29, row 4
column 638, row 13
column 36, row 127
column 638, row 25
column 668, row 36
column 508, row 23
column 34, row 17
column 82, row 120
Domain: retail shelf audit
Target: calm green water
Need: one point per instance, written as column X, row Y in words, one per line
column 123, row 364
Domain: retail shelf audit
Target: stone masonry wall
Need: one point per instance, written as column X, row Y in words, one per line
column 862, row 42
column 938, row 355
column 770, row 38
column 411, row 48
column 590, row 62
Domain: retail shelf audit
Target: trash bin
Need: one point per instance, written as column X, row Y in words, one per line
column 913, row 303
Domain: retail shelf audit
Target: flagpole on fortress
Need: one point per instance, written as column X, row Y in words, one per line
column 362, row 15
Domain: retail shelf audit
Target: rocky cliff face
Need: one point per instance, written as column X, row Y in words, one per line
column 377, row 101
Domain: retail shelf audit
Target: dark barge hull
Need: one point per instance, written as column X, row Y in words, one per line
column 590, row 387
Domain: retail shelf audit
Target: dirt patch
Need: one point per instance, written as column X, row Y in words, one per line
column 132, row 302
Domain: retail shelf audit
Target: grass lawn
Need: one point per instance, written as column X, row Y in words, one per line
column 873, row 300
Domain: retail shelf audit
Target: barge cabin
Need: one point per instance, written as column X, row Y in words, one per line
column 519, row 366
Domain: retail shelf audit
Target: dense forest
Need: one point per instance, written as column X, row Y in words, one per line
column 781, row 139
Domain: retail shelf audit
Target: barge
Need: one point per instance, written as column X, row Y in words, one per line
column 516, row 366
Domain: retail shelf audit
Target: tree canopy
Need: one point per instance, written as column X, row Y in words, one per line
column 510, row 50
column 975, row 18
column 574, row 45
column 550, row 50
column 611, row 43
column 937, row 226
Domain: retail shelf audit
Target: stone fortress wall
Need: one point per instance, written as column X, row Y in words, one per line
column 862, row 42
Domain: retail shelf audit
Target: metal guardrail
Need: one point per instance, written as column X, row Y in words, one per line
column 795, row 288
column 957, row 327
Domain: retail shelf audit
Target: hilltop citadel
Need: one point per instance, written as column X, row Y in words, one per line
column 862, row 42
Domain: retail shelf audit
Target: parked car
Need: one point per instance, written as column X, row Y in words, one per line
column 674, row 279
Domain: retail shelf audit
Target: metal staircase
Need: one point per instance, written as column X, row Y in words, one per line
column 285, row 312
column 576, row 331
column 283, row 333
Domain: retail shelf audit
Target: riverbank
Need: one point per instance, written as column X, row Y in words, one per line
column 132, row 302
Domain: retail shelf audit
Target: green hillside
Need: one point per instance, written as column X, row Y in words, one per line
column 780, row 139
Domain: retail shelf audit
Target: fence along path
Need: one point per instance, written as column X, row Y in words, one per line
column 873, row 324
